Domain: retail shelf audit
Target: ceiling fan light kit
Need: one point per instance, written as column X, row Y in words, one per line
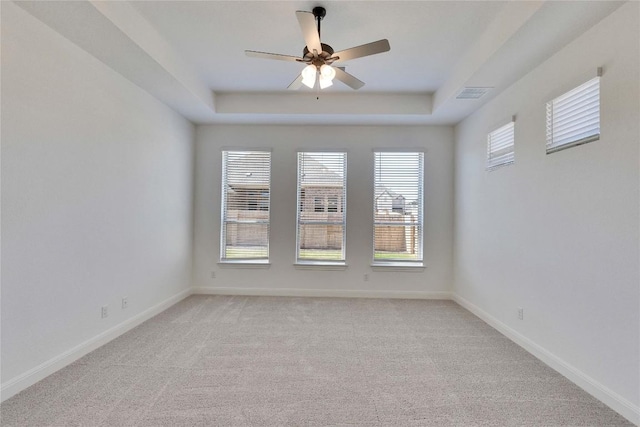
column 319, row 56
column 325, row 75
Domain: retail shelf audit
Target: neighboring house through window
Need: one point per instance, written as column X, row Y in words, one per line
column 398, row 208
column 321, row 214
column 246, row 180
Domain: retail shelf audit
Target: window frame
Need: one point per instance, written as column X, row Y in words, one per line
column 572, row 95
column 501, row 134
column 258, row 205
column 303, row 192
column 397, row 263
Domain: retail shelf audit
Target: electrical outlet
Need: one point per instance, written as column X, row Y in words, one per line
column 213, row 274
column 125, row 302
column 520, row 313
column 366, row 277
column 105, row 311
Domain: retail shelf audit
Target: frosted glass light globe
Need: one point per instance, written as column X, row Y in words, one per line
column 324, row 82
column 327, row 72
column 309, row 76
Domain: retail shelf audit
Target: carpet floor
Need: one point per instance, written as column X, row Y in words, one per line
column 275, row 361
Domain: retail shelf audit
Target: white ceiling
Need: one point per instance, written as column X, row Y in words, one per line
column 190, row 54
column 426, row 39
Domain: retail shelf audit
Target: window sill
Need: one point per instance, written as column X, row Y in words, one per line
column 320, row 265
column 414, row 267
column 571, row 144
column 499, row 166
column 245, row 264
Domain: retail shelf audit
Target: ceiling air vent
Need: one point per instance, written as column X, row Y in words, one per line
column 473, row 92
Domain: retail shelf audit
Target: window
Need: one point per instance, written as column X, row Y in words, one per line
column 246, row 178
column 500, row 146
column 332, row 204
column 574, row 118
column 397, row 211
column 322, row 186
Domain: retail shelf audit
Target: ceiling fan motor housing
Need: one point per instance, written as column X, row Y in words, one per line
column 322, row 58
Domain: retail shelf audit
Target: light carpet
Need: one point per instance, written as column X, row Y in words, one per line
column 276, row 361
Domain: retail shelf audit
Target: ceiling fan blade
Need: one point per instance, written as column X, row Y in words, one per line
column 296, row 84
column 265, row 55
column 309, row 30
column 348, row 79
column 363, row 50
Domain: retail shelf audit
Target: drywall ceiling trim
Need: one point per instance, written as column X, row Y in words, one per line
column 551, row 27
column 506, row 23
column 116, row 34
column 321, row 103
column 522, row 35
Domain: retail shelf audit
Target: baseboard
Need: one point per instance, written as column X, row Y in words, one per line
column 32, row 376
column 616, row 402
column 333, row 293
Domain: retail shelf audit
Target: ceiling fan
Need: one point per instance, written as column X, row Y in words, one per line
column 319, row 57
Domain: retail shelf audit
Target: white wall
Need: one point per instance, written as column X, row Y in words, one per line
column 558, row 234
column 359, row 142
column 96, row 196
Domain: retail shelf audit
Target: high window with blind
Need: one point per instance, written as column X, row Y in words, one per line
column 574, row 118
column 246, row 181
column 398, row 208
column 500, row 146
column 322, row 197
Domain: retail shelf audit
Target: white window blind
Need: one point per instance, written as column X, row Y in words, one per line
column 574, row 118
column 246, row 180
column 322, row 197
column 398, row 207
column 500, row 146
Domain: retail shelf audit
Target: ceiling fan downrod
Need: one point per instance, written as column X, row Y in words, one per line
column 319, row 12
